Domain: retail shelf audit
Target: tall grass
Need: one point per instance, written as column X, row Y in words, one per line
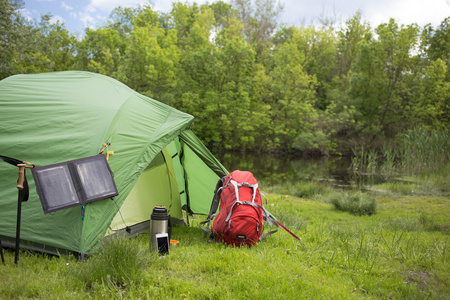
column 365, row 161
column 117, row 264
column 420, row 153
column 390, row 158
column 357, row 203
column 424, row 152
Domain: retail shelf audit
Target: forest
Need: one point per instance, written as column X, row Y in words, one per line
column 251, row 82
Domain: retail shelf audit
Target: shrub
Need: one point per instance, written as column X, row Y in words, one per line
column 357, row 203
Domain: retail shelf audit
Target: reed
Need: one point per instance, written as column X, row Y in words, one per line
column 425, row 152
column 365, row 161
column 421, row 154
column 358, row 160
column 390, row 157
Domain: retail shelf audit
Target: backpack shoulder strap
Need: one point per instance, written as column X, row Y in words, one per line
column 271, row 223
column 214, row 205
column 269, row 220
column 216, row 198
column 236, row 185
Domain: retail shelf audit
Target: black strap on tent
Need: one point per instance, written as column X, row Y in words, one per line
column 11, row 160
column 16, row 162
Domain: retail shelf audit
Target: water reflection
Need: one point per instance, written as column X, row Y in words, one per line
column 276, row 169
column 271, row 169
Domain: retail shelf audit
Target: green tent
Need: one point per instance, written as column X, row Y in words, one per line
column 56, row 117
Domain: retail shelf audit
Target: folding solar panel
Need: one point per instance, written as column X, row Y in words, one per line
column 74, row 182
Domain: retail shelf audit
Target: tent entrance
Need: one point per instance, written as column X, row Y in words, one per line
column 157, row 185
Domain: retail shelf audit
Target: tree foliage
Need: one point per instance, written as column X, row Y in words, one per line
column 252, row 84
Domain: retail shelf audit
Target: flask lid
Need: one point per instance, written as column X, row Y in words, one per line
column 160, row 213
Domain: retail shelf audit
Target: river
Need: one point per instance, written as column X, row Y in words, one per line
column 275, row 169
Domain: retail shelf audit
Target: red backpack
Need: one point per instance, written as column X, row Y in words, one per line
column 240, row 218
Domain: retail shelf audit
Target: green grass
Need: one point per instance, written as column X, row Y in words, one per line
column 302, row 188
column 403, row 188
column 357, row 203
column 401, row 252
column 117, row 264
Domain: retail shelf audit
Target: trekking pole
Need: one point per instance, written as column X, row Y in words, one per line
column 20, row 187
column 1, row 251
column 282, row 226
column 23, row 193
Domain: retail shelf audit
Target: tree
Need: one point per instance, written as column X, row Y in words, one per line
column 437, row 42
column 11, row 24
column 293, row 93
column 260, row 19
column 222, row 13
column 319, row 50
column 340, row 111
column 121, row 20
column 150, row 60
column 215, row 86
column 44, row 47
column 101, row 51
column 348, row 46
column 183, row 18
column 432, row 108
column 381, row 74
column 60, row 47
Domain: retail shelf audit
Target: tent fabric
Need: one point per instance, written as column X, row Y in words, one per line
column 55, row 117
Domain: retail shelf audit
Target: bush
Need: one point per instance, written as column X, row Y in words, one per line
column 357, row 203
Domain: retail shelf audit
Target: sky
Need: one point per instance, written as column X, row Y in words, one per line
column 79, row 14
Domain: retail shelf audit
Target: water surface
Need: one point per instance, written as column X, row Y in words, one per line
column 276, row 169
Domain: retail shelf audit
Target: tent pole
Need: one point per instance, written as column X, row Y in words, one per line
column 19, row 210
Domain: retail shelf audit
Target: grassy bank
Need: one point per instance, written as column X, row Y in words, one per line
column 401, row 251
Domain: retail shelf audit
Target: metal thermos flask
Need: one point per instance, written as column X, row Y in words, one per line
column 159, row 223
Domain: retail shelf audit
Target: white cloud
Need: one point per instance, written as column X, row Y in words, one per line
column 26, row 14
column 87, row 20
column 376, row 12
column 66, row 6
column 407, row 12
column 55, row 19
column 93, row 14
column 166, row 6
column 109, row 5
